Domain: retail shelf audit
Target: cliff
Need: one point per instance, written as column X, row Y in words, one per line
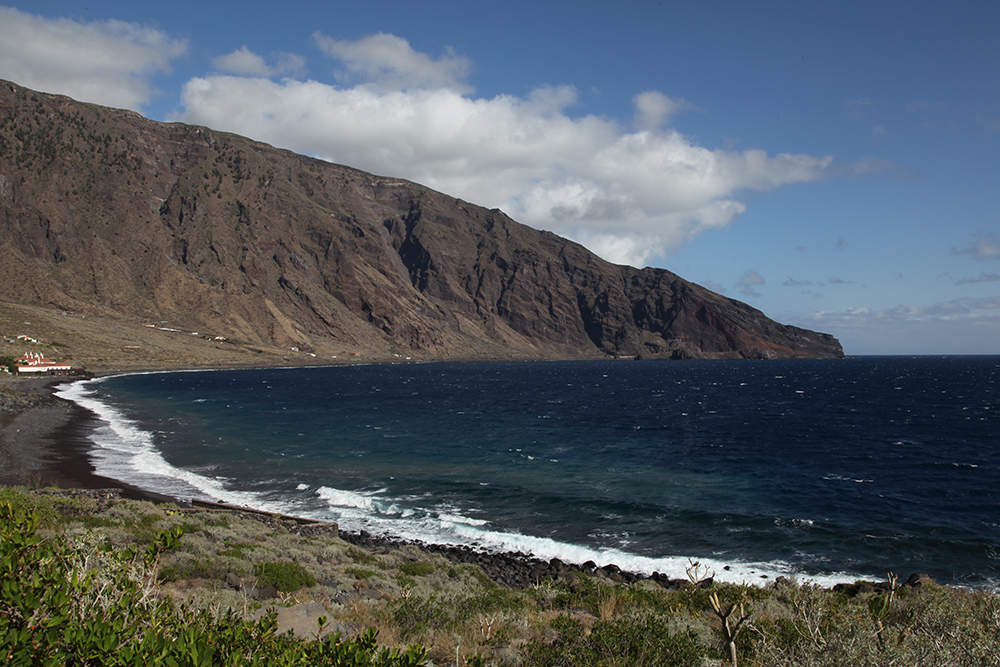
column 103, row 211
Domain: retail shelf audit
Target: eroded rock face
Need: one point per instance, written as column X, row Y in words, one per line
column 104, row 210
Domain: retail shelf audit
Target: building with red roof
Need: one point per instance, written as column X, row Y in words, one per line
column 34, row 362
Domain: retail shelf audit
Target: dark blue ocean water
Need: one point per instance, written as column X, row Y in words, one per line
column 828, row 469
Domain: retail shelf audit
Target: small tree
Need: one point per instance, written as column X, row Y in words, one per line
column 733, row 615
column 8, row 362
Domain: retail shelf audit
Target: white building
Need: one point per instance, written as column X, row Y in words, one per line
column 34, row 362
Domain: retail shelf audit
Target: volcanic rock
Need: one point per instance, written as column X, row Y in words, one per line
column 103, row 211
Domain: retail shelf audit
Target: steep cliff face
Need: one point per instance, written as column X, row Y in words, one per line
column 106, row 211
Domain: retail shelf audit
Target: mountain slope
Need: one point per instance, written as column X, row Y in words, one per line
column 107, row 212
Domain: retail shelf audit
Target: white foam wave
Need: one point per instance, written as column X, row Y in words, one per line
column 457, row 518
column 366, row 511
column 125, row 452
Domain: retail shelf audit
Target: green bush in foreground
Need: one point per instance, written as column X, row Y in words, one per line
column 84, row 603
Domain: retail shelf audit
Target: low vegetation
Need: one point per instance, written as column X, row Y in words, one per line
column 88, row 579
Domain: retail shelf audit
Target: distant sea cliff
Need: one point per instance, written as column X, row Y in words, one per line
column 104, row 212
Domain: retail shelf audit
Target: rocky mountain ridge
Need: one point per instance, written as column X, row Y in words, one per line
column 106, row 212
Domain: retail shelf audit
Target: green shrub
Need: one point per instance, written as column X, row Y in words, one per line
column 186, row 566
column 190, row 526
column 416, row 569
column 360, row 573
column 286, row 576
column 641, row 639
column 86, row 603
column 414, row 615
column 7, row 362
column 237, row 550
column 492, row 600
column 49, row 508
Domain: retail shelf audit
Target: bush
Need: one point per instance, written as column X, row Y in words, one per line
column 642, row 639
column 416, row 615
column 85, row 603
column 286, row 576
column 360, row 572
column 48, row 508
column 416, row 569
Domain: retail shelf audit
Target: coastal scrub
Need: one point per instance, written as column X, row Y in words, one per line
column 105, row 577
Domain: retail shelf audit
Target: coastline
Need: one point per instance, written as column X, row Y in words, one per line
column 43, row 440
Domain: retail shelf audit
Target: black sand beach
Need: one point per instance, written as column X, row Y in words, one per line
column 43, row 439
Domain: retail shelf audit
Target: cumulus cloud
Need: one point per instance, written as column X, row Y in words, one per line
column 391, row 62
column 628, row 194
column 748, row 281
column 244, row 62
column 985, row 246
column 653, row 109
column 107, row 62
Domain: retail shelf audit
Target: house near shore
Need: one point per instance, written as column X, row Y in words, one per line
column 34, row 362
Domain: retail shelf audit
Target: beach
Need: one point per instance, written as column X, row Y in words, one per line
column 43, row 439
column 510, row 608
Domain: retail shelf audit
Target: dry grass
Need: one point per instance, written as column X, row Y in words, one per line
column 456, row 611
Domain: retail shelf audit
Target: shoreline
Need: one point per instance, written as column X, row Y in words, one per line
column 45, row 441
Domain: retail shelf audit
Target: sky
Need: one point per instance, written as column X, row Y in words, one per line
column 835, row 165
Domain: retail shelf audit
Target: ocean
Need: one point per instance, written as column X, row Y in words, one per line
column 827, row 470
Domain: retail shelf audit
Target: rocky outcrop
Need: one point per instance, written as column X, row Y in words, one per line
column 104, row 211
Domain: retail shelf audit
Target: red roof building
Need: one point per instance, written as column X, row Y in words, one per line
column 34, row 362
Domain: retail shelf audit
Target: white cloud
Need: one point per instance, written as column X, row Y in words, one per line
column 985, row 246
column 244, row 62
column 391, row 62
column 107, row 62
column 960, row 326
column 628, row 195
column 653, row 109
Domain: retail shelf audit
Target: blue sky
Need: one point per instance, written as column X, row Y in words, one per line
column 833, row 165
